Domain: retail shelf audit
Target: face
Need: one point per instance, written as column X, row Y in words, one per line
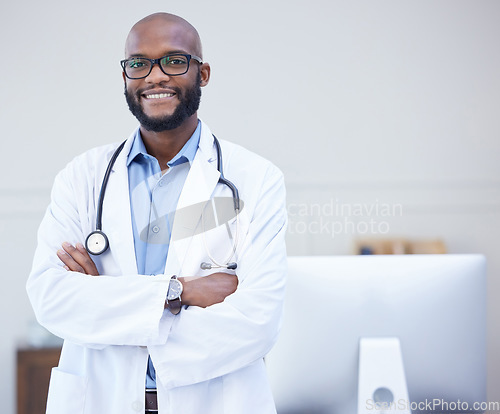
column 188, row 103
column 161, row 102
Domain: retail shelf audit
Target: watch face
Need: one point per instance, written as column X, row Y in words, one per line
column 174, row 289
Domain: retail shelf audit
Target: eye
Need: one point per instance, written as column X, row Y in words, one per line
column 174, row 60
column 136, row 63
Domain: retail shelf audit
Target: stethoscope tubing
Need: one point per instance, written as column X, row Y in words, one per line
column 103, row 244
column 105, row 180
column 223, row 180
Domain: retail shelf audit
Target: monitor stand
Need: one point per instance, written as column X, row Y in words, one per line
column 382, row 382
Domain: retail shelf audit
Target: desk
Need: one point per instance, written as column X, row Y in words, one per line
column 33, row 375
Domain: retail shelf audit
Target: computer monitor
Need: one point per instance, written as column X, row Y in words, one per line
column 435, row 305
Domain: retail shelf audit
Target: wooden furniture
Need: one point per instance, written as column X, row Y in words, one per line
column 33, row 374
column 399, row 246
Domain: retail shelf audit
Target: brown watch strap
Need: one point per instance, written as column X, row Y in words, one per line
column 175, row 305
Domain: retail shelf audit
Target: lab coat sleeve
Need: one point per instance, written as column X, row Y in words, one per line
column 211, row 342
column 90, row 310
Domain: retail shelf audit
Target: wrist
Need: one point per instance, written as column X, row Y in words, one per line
column 186, row 291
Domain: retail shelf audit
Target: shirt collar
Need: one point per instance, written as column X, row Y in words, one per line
column 186, row 154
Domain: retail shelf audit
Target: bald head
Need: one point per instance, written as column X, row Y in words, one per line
column 163, row 28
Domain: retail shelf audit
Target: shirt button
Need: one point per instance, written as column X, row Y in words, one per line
column 156, row 229
column 137, row 406
column 160, row 183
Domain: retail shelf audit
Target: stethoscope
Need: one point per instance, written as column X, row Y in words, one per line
column 97, row 242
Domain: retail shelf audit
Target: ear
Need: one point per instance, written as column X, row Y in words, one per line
column 205, row 74
column 124, row 77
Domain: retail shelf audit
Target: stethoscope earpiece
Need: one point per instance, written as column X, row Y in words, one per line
column 96, row 243
column 208, row 266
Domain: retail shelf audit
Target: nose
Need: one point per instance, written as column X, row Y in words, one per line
column 156, row 75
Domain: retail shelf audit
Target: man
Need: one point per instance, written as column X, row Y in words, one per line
column 120, row 312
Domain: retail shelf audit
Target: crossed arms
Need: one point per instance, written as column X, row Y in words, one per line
column 197, row 291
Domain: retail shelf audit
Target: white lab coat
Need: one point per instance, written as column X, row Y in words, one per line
column 207, row 360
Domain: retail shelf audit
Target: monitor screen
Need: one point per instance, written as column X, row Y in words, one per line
column 435, row 305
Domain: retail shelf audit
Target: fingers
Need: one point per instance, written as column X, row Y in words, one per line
column 77, row 259
column 70, row 263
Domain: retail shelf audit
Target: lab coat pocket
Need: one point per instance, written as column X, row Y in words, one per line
column 66, row 393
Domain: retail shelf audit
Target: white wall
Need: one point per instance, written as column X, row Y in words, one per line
column 359, row 102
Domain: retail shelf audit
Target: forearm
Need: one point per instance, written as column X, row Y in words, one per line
column 106, row 310
column 209, row 290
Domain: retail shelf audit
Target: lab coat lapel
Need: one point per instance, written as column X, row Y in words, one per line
column 197, row 191
column 117, row 221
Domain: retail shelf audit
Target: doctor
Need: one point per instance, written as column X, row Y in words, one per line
column 202, row 349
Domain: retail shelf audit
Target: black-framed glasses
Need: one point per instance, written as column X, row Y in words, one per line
column 171, row 65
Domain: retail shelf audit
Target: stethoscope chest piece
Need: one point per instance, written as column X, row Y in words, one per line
column 97, row 242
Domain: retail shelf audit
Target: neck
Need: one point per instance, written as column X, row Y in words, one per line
column 165, row 145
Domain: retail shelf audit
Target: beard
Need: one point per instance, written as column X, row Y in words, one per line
column 189, row 102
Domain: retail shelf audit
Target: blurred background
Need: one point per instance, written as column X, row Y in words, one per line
column 383, row 116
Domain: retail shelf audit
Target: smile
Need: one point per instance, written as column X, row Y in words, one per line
column 159, row 95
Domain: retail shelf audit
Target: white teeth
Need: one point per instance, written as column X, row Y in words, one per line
column 159, row 95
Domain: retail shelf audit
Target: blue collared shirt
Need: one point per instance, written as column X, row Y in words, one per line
column 153, row 200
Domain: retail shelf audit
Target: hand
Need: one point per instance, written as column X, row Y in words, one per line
column 77, row 259
column 208, row 290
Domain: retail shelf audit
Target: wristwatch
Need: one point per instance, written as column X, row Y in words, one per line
column 174, row 295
